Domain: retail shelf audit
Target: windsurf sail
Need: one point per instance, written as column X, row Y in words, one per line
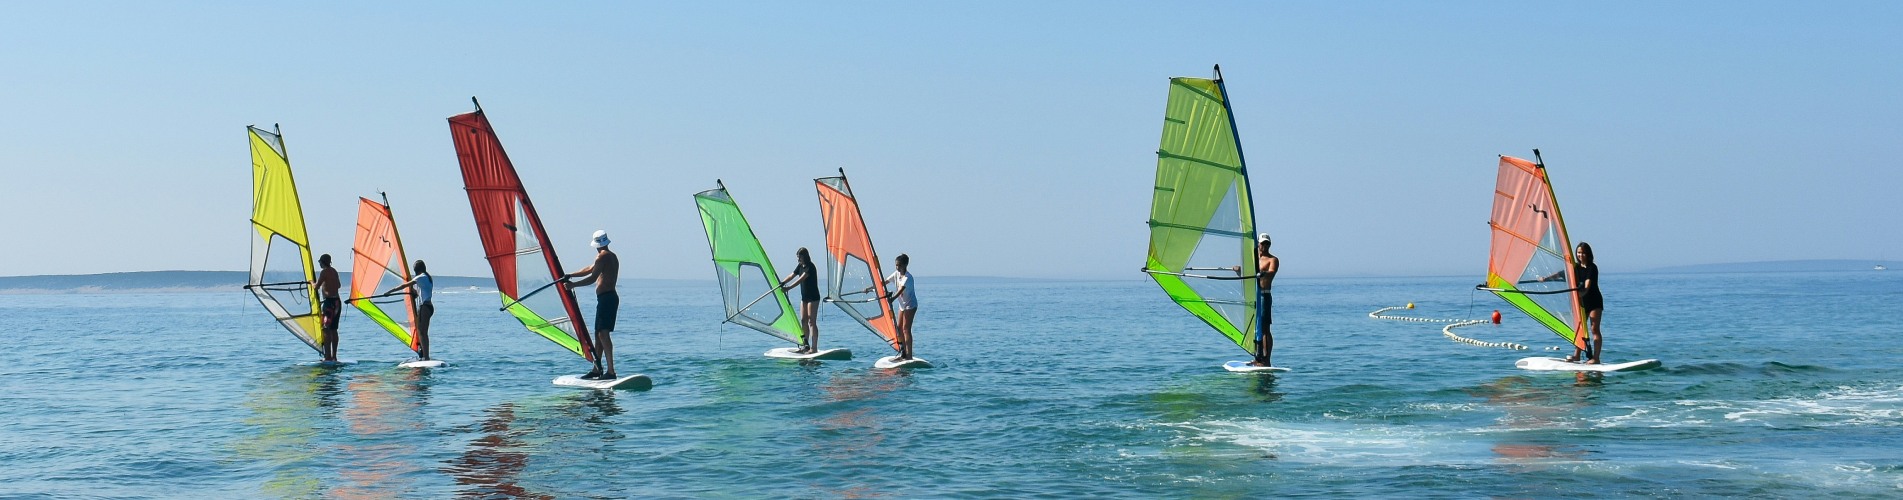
column 1202, row 221
column 528, row 276
column 1530, row 263
column 378, row 263
column 748, row 285
column 853, row 281
column 282, row 276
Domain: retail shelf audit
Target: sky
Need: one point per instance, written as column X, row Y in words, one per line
column 982, row 138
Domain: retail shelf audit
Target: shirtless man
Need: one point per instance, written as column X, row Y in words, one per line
column 331, row 307
column 1266, row 265
column 602, row 274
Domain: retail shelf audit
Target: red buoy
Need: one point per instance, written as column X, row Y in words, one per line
column 1496, row 316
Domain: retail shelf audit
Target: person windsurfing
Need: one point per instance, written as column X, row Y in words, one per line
column 332, row 307
column 904, row 302
column 1587, row 274
column 808, row 280
column 1266, row 265
column 423, row 287
column 602, row 274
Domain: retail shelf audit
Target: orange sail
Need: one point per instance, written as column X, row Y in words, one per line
column 854, row 282
column 378, row 264
column 1530, row 263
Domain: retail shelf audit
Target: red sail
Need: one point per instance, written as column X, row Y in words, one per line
column 512, row 238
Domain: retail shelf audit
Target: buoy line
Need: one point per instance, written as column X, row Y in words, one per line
column 1447, row 330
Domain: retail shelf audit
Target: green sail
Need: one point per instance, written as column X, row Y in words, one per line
column 748, row 285
column 1201, row 219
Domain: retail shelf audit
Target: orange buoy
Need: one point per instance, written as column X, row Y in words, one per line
column 1496, row 316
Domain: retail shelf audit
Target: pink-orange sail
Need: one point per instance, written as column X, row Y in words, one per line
column 854, row 282
column 527, row 273
column 377, row 264
column 1530, row 263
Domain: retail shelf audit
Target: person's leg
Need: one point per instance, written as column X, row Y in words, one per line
column 607, row 347
column 329, row 317
column 809, row 321
column 1598, row 341
column 905, row 332
column 423, row 313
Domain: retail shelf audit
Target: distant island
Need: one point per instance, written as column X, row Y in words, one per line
column 1782, row 266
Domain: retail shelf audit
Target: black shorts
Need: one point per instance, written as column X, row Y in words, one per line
column 606, row 304
column 330, row 309
column 1263, row 303
column 1592, row 302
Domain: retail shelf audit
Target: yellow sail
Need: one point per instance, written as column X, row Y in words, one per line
column 282, row 276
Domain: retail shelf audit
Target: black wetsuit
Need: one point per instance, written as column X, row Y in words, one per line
column 1589, row 298
column 809, row 287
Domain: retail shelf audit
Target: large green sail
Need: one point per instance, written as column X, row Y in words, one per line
column 748, row 284
column 1202, row 225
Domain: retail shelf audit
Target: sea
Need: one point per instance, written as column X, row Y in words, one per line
column 1771, row 385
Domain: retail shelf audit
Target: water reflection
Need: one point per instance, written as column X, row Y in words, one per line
column 385, row 408
column 494, row 461
column 511, row 437
column 291, row 410
column 1264, row 388
column 1530, row 409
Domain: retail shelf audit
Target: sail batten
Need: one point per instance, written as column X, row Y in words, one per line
column 1201, row 212
column 513, row 240
column 852, row 267
column 1530, row 260
column 749, row 286
column 281, row 275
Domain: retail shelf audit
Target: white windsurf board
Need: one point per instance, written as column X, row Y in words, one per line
column 890, row 362
column 423, row 363
column 329, row 364
column 636, row 382
column 1245, row 367
column 1558, row 364
column 836, row 353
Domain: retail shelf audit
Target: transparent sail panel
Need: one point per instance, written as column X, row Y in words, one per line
column 754, row 285
column 1216, row 256
column 855, row 278
column 283, row 277
column 532, row 274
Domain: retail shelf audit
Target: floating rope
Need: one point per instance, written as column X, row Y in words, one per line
column 1446, row 330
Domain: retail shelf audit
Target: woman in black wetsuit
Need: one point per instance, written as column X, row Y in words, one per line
column 807, row 279
column 1587, row 274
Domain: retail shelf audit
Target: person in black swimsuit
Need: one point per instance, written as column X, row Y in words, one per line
column 1587, row 274
column 808, row 281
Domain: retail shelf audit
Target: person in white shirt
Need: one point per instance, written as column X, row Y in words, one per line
column 904, row 303
column 424, row 287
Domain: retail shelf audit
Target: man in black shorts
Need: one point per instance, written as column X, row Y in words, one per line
column 602, row 274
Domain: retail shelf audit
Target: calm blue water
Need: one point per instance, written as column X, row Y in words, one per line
column 1773, row 385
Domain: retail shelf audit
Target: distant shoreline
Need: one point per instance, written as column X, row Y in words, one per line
column 215, row 281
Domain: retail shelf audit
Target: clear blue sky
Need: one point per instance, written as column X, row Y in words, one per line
column 983, row 138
